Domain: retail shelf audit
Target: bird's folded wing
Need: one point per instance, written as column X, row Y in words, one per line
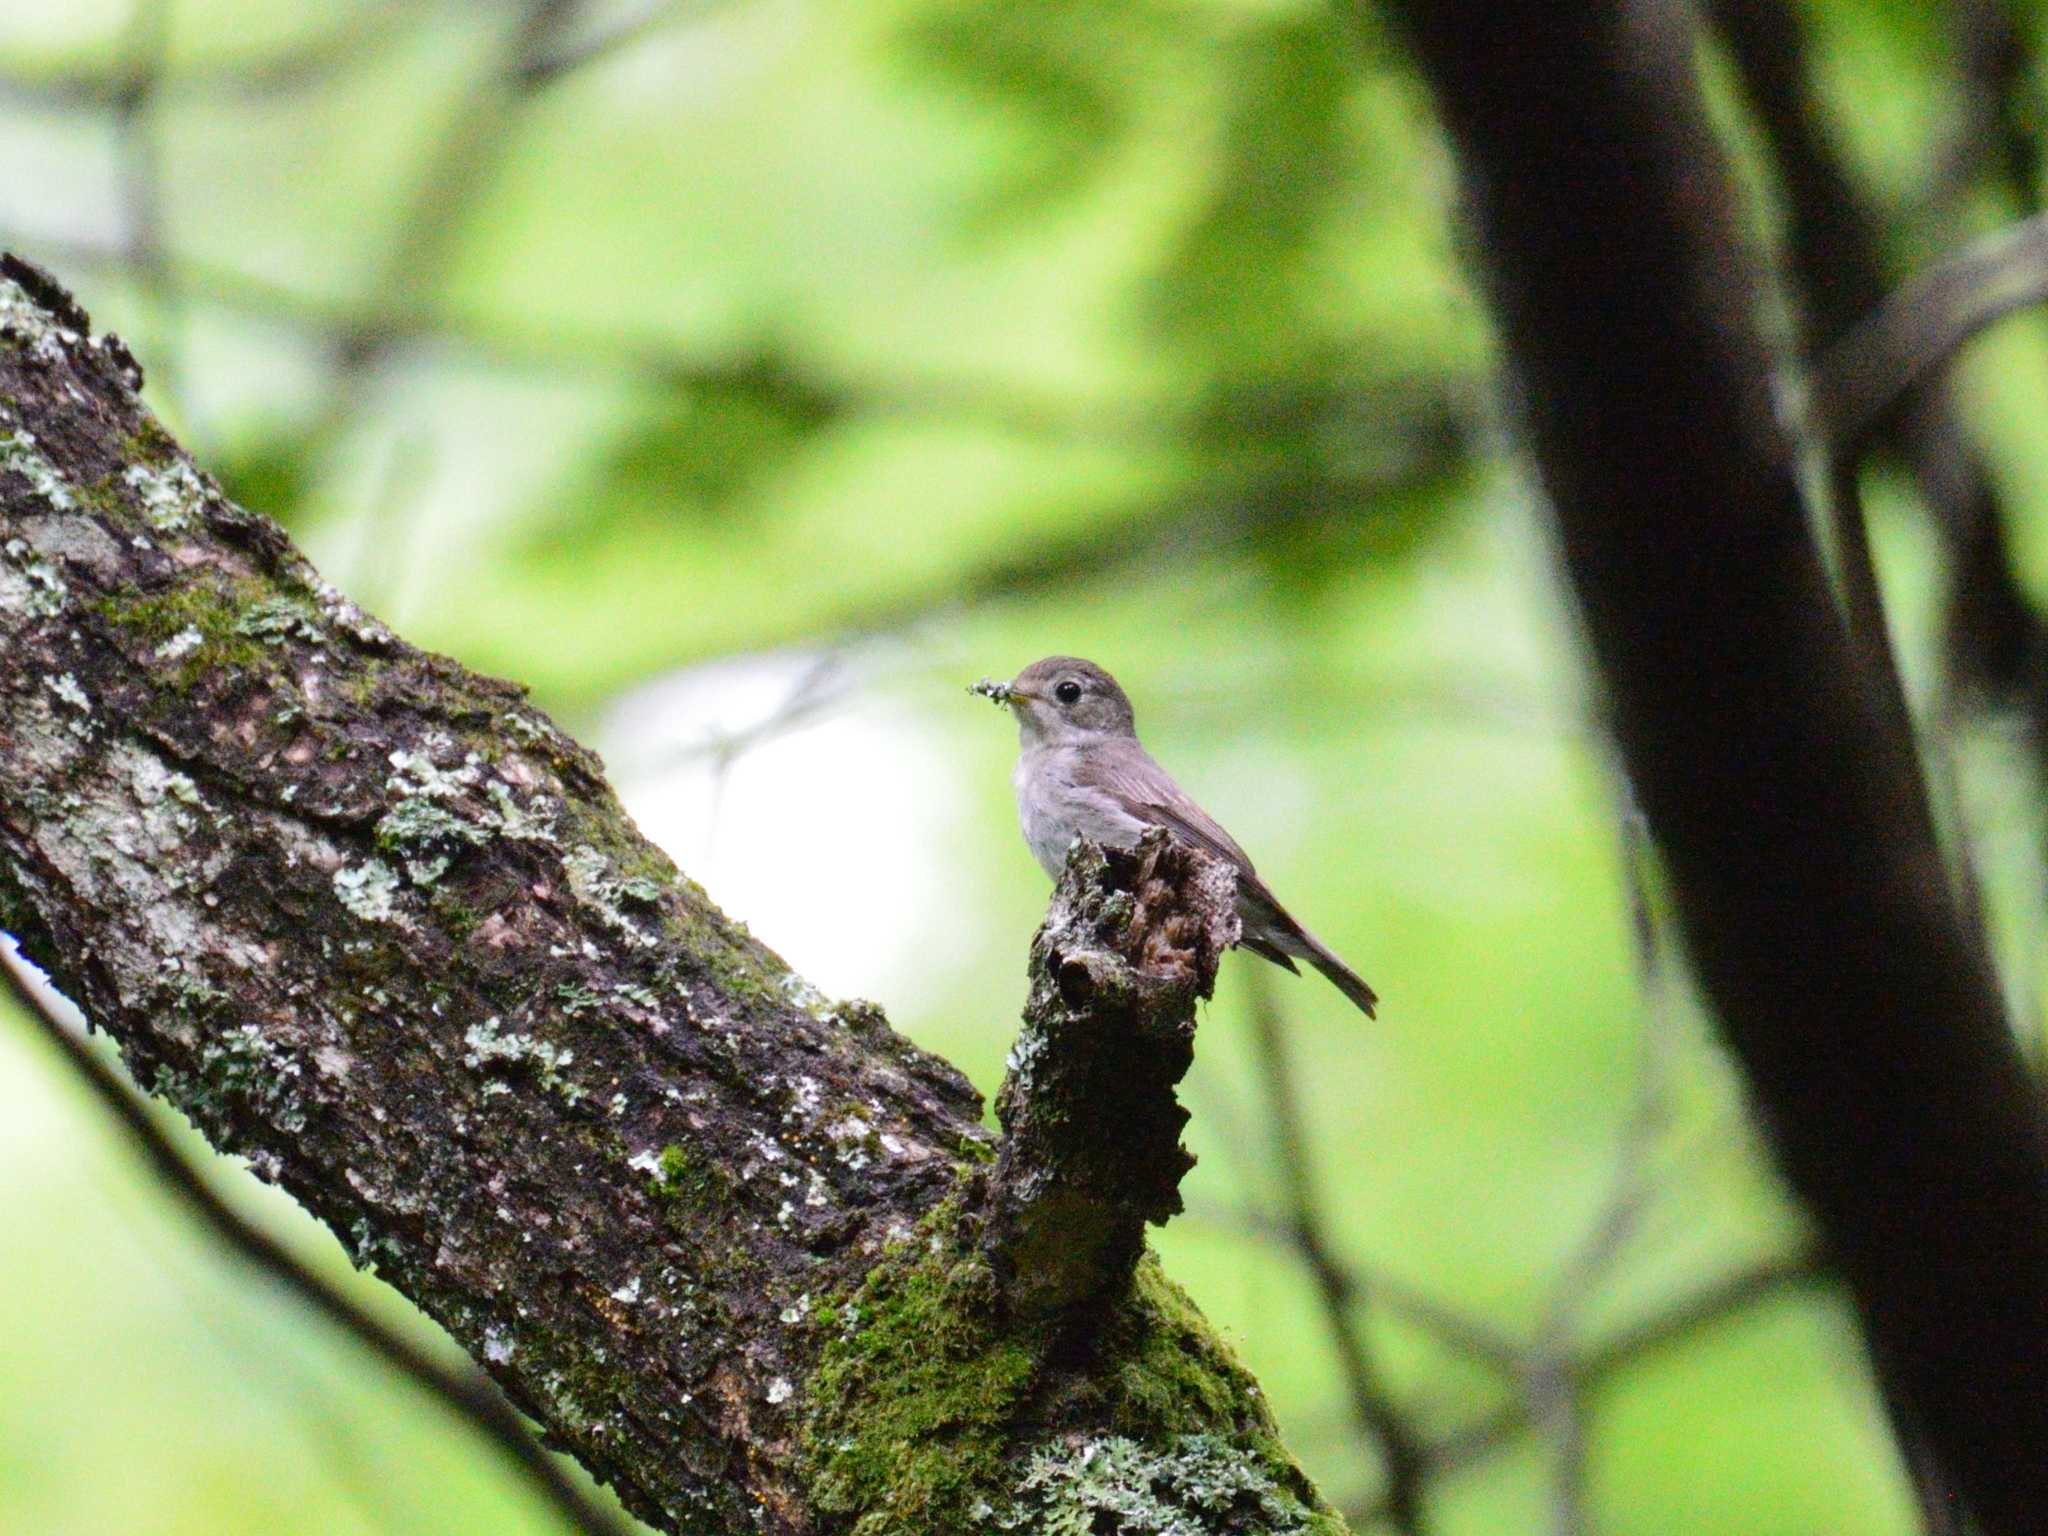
column 1125, row 773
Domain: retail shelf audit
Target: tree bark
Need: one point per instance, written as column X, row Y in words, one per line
column 374, row 924
column 1817, row 914
column 1105, row 1029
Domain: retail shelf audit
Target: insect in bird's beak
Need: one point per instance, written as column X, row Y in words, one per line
column 994, row 692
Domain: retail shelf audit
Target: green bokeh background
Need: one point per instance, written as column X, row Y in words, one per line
column 928, row 338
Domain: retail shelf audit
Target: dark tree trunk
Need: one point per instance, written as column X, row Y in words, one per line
column 1817, row 913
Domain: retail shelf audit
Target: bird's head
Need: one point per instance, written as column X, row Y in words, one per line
column 1065, row 701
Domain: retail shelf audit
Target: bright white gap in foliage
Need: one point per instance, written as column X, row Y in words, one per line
column 808, row 801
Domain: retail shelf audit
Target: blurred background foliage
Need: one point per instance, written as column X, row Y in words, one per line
column 747, row 376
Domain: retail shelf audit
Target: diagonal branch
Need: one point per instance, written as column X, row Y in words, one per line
column 1922, row 325
column 372, row 922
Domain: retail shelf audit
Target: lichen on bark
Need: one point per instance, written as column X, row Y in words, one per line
column 374, row 924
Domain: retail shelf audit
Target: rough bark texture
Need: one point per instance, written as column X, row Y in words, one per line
column 1821, row 923
column 1091, row 1145
column 372, row 922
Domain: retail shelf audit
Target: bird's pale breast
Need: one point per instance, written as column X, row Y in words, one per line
column 1054, row 809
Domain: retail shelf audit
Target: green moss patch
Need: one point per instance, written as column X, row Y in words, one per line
column 692, row 1183
column 196, row 625
column 915, row 1396
column 930, row 1412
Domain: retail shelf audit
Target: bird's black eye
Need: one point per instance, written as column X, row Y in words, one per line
column 1068, row 692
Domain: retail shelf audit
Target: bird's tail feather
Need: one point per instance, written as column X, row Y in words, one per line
column 1288, row 938
column 1342, row 977
column 1271, row 930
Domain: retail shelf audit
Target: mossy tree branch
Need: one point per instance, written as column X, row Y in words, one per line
column 374, row 924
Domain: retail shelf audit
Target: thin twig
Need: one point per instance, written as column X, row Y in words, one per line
column 1343, row 1299
column 1631, row 1187
column 1470, row 1336
column 1717, row 1302
column 1921, row 326
column 1710, row 1304
column 1943, row 771
column 1556, row 1413
column 1549, row 1389
column 469, row 1393
column 1863, row 608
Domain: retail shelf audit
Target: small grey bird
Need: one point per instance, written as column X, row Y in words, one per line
column 1081, row 773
